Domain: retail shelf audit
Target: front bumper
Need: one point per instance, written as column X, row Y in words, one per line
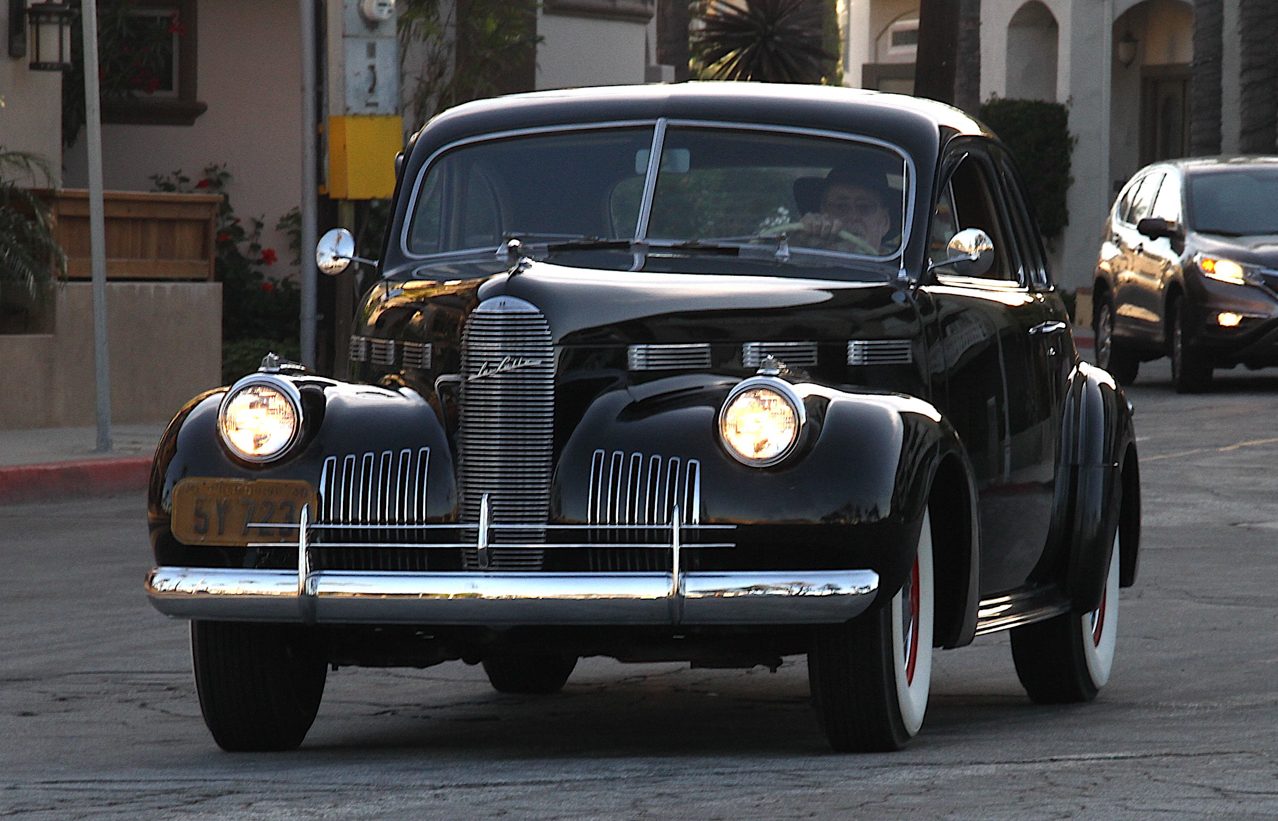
column 500, row 598
column 512, row 598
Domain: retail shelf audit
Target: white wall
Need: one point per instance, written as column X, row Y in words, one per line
column 587, row 51
column 250, row 77
column 31, row 117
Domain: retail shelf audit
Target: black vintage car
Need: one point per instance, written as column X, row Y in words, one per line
column 708, row 372
column 1188, row 269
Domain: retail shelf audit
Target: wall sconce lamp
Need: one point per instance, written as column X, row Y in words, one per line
column 49, row 25
column 1127, row 50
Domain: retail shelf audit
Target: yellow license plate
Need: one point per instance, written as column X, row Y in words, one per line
column 238, row 511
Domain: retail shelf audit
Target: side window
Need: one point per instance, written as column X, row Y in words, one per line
column 976, row 205
column 1032, row 255
column 1143, row 202
column 1124, row 204
column 1167, row 203
column 944, row 226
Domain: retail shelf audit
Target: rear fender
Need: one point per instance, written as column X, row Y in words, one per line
column 1098, row 487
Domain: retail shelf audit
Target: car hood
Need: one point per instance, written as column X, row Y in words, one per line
column 618, row 308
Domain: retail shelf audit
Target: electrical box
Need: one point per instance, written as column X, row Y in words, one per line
column 364, row 131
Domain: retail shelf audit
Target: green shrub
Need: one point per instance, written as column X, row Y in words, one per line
column 1037, row 134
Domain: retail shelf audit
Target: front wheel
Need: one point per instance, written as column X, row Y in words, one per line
column 1068, row 658
column 1112, row 354
column 260, row 685
column 870, row 676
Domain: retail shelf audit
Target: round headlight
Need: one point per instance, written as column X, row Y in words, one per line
column 760, row 422
column 260, row 418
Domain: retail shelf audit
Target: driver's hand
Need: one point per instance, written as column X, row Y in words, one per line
column 821, row 226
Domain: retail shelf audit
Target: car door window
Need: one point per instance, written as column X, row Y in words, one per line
column 1143, row 202
column 1167, row 203
column 1033, row 258
column 974, row 203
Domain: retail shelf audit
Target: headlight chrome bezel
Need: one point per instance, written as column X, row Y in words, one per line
column 285, row 388
column 787, row 393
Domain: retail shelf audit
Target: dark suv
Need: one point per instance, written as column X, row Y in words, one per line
column 1188, row 269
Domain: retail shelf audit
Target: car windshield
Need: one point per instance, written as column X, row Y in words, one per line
column 750, row 192
column 1235, row 202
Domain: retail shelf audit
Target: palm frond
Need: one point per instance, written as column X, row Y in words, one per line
column 774, row 41
column 29, row 254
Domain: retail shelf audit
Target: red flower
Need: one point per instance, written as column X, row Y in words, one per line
column 176, row 27
column 223, row 237
column 268, row 287
column 204, row 183
column 269, row 257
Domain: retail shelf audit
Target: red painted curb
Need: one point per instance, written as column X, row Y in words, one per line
column 62, row 480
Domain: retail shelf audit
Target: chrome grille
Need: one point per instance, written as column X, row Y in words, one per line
column 880, row 352
column 793, row 354
column 417, row 355
column 505, row 432
column 639, row 489
column 668, row 357
column 383, row 351
column 359, row 349
column 634, row 488
column 387, row 488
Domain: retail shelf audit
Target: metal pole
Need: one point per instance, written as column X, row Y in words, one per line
column 309, row 273
column 97, row 223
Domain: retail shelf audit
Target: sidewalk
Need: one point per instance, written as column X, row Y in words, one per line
column 46, row 464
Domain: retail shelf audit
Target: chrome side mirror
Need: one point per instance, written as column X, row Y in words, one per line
column 970, row 253
column 336, row 251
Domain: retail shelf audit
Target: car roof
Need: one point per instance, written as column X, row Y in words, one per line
column 1196, row 165
column 914, row 123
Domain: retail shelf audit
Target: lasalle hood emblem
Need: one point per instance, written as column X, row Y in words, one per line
column 505, row 365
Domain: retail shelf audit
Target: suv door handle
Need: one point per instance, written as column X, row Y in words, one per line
column 1052, row 327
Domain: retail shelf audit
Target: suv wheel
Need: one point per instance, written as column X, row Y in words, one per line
column 1112, row 354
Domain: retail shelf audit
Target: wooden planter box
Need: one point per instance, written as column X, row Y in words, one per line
column 149, row 235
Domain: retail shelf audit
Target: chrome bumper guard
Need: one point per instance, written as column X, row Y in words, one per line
column 490, row 598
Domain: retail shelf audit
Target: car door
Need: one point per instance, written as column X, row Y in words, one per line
column 1134, row 313
column 1159, row 258
column 994, row 333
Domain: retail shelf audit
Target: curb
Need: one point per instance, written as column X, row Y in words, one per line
column 61, row 480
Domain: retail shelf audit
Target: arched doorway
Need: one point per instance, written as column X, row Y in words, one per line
column 1033, row 39
column 1153, row 50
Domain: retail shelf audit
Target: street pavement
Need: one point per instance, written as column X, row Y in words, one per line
column 99, row 718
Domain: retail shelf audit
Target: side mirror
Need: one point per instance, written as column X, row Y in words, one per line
column 335, row 251
column 970, row 253
column 1157, row 228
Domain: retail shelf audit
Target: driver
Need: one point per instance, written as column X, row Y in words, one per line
column 847, row 210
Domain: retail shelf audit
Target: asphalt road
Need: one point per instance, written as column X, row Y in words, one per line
column 99, row 719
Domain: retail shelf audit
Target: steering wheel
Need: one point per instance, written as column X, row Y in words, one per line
column 852, row 239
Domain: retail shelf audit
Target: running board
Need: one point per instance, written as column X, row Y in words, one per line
column 1019, row 609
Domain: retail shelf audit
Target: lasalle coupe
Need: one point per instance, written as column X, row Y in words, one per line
column 710, row 373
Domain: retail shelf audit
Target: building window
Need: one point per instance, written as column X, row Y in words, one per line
column 148, row 62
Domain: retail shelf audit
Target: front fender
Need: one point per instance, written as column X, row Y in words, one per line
column 344, row 424
column 1098, row 446
column 853, row 492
